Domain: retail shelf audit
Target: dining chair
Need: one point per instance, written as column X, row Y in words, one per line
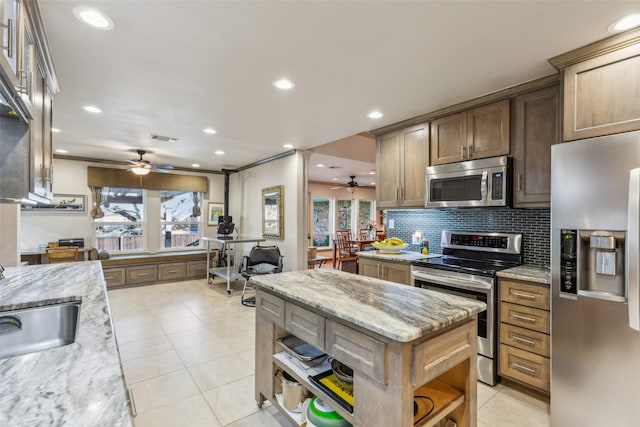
column 61, row 254
column 344, row 249
column 364, row 234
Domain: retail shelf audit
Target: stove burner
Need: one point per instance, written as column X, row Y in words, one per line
column 465, row 265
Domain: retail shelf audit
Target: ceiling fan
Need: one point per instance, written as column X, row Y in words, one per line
column 143, row 167
column 350, row 186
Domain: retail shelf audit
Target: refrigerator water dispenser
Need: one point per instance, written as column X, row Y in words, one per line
column 601, row 265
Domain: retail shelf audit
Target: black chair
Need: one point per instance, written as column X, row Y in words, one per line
column 261, row 260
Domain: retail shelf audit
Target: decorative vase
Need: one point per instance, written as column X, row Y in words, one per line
column 372, row 234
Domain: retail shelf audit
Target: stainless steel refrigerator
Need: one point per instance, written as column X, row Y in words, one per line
column 595, row 308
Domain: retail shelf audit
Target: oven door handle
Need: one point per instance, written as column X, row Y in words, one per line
column 450, row 281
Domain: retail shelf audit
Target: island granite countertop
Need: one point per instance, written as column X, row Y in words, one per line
column 79, row 384
column 395, row 311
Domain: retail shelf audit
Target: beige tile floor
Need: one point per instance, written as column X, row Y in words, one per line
column 187, row 351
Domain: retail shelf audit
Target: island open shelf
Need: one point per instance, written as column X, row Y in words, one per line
column 394, row 353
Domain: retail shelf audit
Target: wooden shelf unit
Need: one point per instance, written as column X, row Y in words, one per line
column 386, row 372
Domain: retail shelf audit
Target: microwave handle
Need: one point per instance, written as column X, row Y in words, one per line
column 483, row 186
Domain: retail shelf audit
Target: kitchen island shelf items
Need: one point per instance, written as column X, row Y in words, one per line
column 229, row 272
column 395, row 337
column 79, row 384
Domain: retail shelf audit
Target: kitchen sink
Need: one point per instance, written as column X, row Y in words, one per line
column 30, row 330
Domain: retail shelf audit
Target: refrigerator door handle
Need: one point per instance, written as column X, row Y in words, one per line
column 633, row 250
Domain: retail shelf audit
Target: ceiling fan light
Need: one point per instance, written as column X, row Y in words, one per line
column 352, row 189
column 140, row 170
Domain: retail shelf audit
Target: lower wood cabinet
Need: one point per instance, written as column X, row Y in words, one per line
column 145, row 270
column 524, row 330
column 399, row 272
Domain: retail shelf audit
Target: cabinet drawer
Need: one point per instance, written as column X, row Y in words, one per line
column 526, row 317
column 529, row 368
column 356, row 350
column 197, row 269
column 524, row 294
column 271, row 307
column 114, row 277
column 172, row 271
column 142, row 274
column 305, row 324
column 525, row 339
column 439, row 354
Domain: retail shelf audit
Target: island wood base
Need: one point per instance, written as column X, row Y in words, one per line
column 386, row 372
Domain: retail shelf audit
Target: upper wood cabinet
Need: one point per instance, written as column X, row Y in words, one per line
column 9, row 23
column 401, row 161
column 601, row 87
column 474, row 134
column 537, row 128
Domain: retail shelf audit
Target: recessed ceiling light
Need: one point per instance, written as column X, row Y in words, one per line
column 195, row 165
column 288, row 146
column 93, row 17
column 375, row 115
column 372, row 172
column 210, row 131
column 334, row 179
column 219, row 152
column 55, row 130
column 372, row 183
column 625, row 23
column 92, row 109
column 61, row 151
column 320, row 165
column 284, row 84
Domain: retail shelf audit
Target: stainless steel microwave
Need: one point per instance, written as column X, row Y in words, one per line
column 474, row 183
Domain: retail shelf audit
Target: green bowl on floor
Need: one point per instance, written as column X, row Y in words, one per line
column 322, row 415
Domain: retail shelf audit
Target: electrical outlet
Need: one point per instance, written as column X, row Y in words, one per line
column 392, row 224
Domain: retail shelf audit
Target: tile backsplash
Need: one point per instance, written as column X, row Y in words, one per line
column 534, row 224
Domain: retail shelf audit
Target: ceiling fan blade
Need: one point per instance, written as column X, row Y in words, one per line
column 161, row 170
column 163, row 166
column 335, row 188
column 134, row 162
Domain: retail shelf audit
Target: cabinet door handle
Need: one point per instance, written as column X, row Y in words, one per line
column 524, row 318
column 9, row 46
column 523, row 368
column 523, row 296
column 518, row 180
column 523, row 340
column 469, row 150
column 462, row 152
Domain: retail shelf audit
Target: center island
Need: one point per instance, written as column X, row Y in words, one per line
column 399, row 340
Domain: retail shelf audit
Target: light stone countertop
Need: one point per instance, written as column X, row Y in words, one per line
column 399, row 312
column 402, row 256
column 80, row 384
column 528, row 273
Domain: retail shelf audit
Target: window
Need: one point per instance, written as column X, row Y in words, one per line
column 366, row 213
column 180, row 228
column 344, row 215
column 321, row 237
column 121, row 227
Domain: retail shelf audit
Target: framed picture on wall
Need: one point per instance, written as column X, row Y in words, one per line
column 60, row 203
column 214, row 211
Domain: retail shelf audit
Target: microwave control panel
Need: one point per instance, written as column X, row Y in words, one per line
column 497, row 185
column 569, row 261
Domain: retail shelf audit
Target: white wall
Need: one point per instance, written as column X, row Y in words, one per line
column 70, row 177
column 246, row 205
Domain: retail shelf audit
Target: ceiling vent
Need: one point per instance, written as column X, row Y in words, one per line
column 164, row 138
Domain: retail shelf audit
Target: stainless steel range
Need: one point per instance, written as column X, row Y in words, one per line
column 467, row 268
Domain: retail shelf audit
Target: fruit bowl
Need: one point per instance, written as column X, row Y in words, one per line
column 388, row 248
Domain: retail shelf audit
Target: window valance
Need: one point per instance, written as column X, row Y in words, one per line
column 108, row 177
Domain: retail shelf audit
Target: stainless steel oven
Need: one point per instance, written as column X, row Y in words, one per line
column 474, row 183
column 473, row 287
column 468, row 269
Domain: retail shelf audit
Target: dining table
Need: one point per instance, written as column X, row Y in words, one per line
column 361, row 244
